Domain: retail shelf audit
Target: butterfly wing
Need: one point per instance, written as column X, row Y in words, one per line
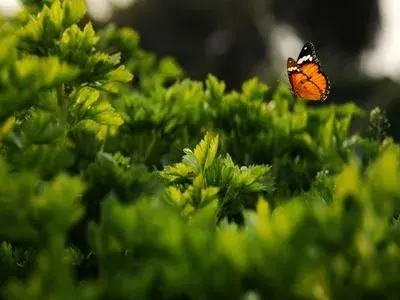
column 306, row 77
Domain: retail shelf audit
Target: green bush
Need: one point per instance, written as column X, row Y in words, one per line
column 120, row 178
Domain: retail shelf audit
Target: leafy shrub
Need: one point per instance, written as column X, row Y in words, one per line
column 273, row 198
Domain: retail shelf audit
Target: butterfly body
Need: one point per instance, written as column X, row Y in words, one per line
column 306, row 77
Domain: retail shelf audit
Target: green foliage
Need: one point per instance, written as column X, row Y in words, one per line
column 272, row 198
column 203, row 178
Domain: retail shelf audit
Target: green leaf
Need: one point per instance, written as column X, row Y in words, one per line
column 88, row 106
column 73, row 11
column 179, row 172
column 168, row 68
column 205, row 151
column 129, row 38
column 90, row 127
column 58, row 202
column 85, row 99
column 215, row 88
column 76, row 46
column 384, row 173
column 208, row 195
column 254, row 179
column 327, row 132
column 44, row 27
column 253, row 89
column 174, row 197
column 348, row 182
column 41, row 128
column 103, row 113
column 121, row 74
column 46, row 160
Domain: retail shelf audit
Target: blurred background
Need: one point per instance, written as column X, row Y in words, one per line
column 358, row 42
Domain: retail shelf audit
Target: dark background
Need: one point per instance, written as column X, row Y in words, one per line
column 232, row 39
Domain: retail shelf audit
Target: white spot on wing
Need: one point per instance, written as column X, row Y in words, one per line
column 305, row 58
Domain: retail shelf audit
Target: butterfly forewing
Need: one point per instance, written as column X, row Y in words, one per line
column 307, row 54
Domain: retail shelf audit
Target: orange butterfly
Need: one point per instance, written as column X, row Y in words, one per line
column 306, row 77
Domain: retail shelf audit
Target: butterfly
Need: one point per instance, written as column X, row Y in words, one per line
column 306, row 77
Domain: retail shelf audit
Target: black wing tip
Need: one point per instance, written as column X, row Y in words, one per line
column 310, row 46
column 308, row 49
column 308, row 43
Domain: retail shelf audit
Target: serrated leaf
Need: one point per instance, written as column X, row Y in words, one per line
column 206, row 150
column 208, row 195
column 88, row 106
column 177, row 172
column 103, row 113
column 42, row 27
column 53, row 18
column 41, row 128
column 98, row 68
column 253, row 179
column 84, row 101
column 121, row 74
column 99, row 130
column 76, row 45
column 73, row 11
column 215, row 88
column 190, row 159
column 175, row 197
